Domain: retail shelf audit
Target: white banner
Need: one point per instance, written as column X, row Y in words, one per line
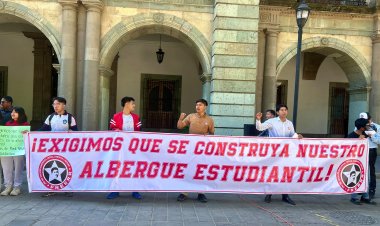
column 138, row 161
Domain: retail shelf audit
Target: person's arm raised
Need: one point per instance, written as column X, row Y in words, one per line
column 181, row 124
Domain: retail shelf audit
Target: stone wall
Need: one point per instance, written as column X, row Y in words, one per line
column 234, row 64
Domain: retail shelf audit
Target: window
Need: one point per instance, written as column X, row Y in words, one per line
column 282, row 92
column 3, row 81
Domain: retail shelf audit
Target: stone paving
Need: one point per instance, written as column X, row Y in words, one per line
column 162, row 209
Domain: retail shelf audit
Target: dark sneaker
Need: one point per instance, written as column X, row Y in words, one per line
column 181, row 198
column 202, row 198
column 355, row 201
column 288, row 200
column 268, row 198
column 136, row 195
column 367, row 201
column 113, row 195
column 49, row 194
column 69, row 194
column 371, row 194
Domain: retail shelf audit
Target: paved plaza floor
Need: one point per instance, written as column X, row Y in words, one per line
column 163, row 209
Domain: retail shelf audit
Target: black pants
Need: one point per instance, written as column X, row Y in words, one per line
column 372, row 173
column 284, row 195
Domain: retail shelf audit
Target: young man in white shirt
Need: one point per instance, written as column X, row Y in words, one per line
column 59, row 121
column 278, row 127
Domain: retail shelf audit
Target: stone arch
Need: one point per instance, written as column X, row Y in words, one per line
column 155, row 23
column 350, row 60
column 35, row 19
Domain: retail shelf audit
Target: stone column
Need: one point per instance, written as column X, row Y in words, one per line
column 234, row 64
column 113, row 88
column 41, row 78
column 269, row 79
column 375, row 76
column 375, row 83
column 359, row 101
column 105, row 75
column 67, row 78
column 206, row 86
column 372, row 3
column 260, row 72
column 81, row 35
column 91, row 99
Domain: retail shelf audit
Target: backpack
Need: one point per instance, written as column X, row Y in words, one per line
column 69, row 118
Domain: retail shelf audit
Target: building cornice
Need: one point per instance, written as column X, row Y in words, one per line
column 288, row 11
column 342, row 15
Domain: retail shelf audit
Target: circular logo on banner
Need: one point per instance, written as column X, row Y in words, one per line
column 350, row 175
column 55, row 172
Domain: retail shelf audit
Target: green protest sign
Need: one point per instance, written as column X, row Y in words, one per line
column 12, row 141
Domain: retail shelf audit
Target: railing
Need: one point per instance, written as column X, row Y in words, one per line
column 351, row 6
column 340, row 2
column 329, row 2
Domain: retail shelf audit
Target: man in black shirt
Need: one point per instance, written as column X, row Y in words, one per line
column 361, row 125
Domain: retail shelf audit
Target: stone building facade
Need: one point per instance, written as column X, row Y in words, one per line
column 237, row 54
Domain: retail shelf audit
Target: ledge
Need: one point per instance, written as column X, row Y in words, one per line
column 330, row 7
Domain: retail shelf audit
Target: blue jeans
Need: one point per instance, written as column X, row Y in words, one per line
column 364, row 195
column 356, row 195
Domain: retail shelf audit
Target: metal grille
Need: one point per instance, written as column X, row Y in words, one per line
column 340, row 2
column 329, row 2
column 161, row 104
column 3, row 81
column 282, row 92
column 338, row 111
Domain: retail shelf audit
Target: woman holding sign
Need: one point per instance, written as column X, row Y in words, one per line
column 13, row 165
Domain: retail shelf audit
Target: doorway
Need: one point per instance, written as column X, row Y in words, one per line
column 161, row 102
column 338, row 112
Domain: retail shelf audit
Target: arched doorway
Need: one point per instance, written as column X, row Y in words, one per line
column 162, row 91
column 182, row 40
column 27, row 71
column 334, row 86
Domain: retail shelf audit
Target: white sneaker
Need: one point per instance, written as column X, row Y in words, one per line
column 6, row 191
column 16, row 191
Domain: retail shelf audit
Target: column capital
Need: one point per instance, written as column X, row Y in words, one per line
column 93, row 5
column 205, row 78
column 105, row 72
column 273, row 32
column 375, row 38
column 69, row 4
column 261, row 30
column 57, row 67
column 359, row 90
